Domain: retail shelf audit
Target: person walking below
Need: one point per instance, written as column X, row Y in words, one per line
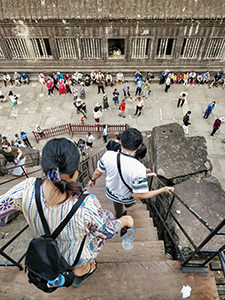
column 139, row 88
column 14, row 99
column 182, row 98
column 209, row 109
column 216, row 125
column 186, row 121
column 101, row 87
column 146, row 89
column 129, row 184
column 25, row 139
column 97, row 114
column 105, row 133
column 126, row 89
column 167, row 84
column 89, row 140
column 105, row 102
column 116, row 98
column 139, row 107
column 122, row 108
column 50, row 86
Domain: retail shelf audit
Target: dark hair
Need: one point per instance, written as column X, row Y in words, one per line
column 189, row 112
column 96, row 108
column 6, row 143
column 10, row 93
column 63, row 154
column 141, row 152
column 118, row 137
column 131, row 139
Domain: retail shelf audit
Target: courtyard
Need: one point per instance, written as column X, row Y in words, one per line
column 160, row 108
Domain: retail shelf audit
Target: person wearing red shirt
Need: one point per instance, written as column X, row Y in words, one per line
column 216, row 125
column 122, row 108
column 50, row 85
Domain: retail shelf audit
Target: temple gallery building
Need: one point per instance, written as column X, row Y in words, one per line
column 38, row 35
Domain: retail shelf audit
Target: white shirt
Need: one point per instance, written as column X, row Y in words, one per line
column 134, row 174
column 89, row 138
column 97, row 114
column 168, row 81
column 140, row 103
column 119, row 76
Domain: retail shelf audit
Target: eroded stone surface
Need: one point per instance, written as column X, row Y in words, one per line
column 207, row 198
column 176, row 156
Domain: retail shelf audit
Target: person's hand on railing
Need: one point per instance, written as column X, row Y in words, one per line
column 16, row 160
column 168, row 189
column 151, row 174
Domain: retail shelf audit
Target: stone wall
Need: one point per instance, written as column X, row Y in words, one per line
column 68, row 36
column 113, row 9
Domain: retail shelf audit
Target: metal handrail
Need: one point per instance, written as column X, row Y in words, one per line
column 197, row 249
column 82, row 178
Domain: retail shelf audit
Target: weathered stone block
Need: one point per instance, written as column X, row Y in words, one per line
column 177, row 157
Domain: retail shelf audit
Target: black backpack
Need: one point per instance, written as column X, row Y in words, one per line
column 43, row 260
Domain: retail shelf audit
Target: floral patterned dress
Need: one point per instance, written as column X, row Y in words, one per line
column 90, row 219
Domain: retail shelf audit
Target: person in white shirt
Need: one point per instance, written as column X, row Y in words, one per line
column 182, row 98
column 167, row 84
column 119, row 77
column 97, row 114
column 134, row 174
column 139, row 107
column 7, row 78
column 192, row 77
column 105, row 133
column 89, row 140
column 13, row 98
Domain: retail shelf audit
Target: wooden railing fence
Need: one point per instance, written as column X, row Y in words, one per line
column 73, row 129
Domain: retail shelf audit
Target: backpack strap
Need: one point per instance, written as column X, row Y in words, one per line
column 57, row 231
column 69, row 216
column 38, row 183
column 121, row 176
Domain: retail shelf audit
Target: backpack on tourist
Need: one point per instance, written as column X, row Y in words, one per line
column 47, row 268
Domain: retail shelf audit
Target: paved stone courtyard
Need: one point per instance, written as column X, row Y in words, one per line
column 160, row 108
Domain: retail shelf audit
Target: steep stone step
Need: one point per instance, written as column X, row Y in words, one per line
column 156, row 280
column 142, row 251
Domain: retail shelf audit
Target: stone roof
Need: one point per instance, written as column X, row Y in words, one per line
column 111, row 9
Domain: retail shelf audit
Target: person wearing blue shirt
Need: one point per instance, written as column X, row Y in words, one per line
column 24, row 78
column 209, row 109
column 116, row 97
column 138, row 76
column 24, row 138
column 139, row 87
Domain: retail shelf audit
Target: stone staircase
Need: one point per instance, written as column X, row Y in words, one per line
column 141, row 273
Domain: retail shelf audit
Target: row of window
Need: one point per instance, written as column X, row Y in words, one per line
column 92, row 48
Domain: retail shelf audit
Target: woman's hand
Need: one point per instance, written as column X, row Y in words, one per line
column 126, row 221
column 168, row 189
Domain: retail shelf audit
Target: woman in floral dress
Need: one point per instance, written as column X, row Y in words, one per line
column 59, row 191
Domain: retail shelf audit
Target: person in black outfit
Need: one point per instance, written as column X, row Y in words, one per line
column 114, row 145
column 101, row 87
